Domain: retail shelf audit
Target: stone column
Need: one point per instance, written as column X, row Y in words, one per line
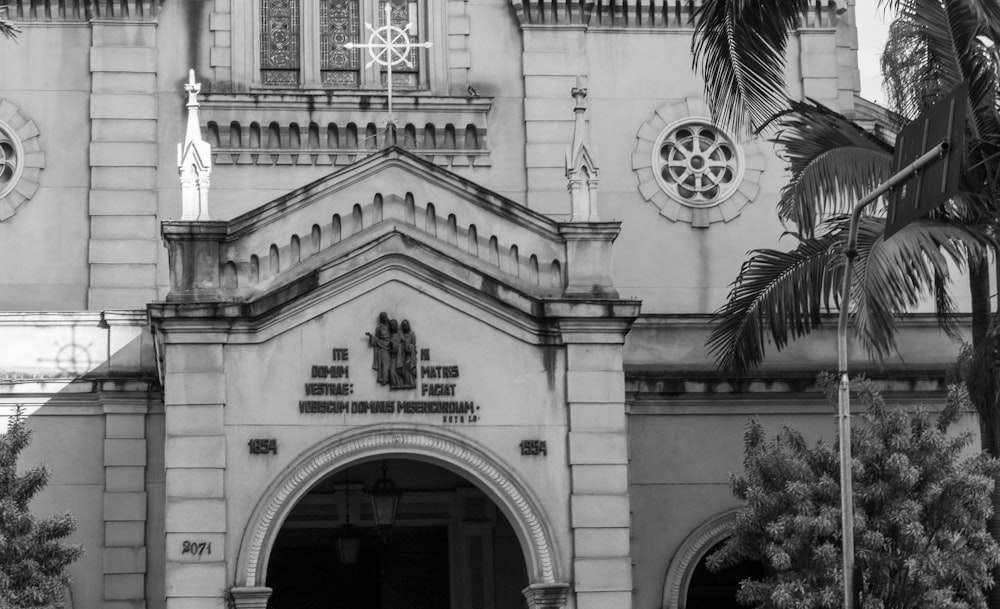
column 123, row 160
column 551, row 62
column 598, row 461
column 195, row 458
column 124, row 504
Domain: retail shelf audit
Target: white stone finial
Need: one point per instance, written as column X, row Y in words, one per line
column 581, row 163
column 194, row 160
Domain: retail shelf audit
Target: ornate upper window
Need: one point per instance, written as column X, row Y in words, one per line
column 303, row 43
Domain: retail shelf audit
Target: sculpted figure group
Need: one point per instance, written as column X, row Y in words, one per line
column 395, row 357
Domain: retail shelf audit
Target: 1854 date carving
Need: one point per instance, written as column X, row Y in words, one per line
column 534, row 447
column 263, row 446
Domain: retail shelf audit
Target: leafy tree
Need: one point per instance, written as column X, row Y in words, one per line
column 33, row 557
column 920, row 516
column 780, row 296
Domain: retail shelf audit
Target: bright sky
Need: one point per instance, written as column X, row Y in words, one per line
column 873, row 25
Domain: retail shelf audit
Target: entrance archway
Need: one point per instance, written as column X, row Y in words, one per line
column 448, row 547
column 431, row 445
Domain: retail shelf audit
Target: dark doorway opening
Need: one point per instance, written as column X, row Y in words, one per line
column 406, row 568
column 717, row 589
column 449, row 547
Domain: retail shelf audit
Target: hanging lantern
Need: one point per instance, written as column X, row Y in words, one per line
column 348, row 536
column 348, row 544
column 384, row 496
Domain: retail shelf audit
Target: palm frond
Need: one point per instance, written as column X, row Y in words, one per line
column 786, row 291
column 933, row 46
column 8, row 30
column 833, row 163
column 895, row 276
column 739, row 48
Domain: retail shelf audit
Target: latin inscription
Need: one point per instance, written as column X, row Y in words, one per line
column 332, row 380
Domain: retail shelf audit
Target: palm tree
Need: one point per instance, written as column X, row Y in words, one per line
column 7, row 28
column 739, row 47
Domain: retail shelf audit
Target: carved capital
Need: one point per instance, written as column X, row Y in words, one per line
column 546, row 596
column 250, row 598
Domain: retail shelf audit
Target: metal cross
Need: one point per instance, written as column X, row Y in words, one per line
column 389, row 46
column 193, row 89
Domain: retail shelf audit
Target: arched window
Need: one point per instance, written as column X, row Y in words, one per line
column 690, row 585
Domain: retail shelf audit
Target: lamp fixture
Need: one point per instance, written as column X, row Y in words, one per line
column 348, row 538
column 384, row 496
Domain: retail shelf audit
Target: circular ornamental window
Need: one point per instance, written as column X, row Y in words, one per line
column 21, row 158
column 696, row 163
column 693, row 170
column 11, row 159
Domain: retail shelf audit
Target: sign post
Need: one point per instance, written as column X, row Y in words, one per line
column 927, row 163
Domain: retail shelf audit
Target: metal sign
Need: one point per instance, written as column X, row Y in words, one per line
column 938, row 181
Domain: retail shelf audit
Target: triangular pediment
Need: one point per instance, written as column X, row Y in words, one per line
column 366, row 210
column 390, row 224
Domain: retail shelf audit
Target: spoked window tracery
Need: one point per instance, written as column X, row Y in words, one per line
column 697, row 163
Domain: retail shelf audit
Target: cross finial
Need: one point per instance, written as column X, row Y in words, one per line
column 389, row 46
column 579, row 92
column 193, row 89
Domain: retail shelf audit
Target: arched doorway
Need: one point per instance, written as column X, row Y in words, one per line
column 709, row 589
column 449, row 545
column 426, row 444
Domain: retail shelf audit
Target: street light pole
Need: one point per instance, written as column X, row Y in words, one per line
column 844, row 390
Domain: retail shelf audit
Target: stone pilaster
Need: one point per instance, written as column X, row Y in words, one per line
column 598, row 461
column 221, row 53
column 123, row 161
column 124, row 553
column 195, row 459
column 848, row 74
column 459, row 55
column 552, row 59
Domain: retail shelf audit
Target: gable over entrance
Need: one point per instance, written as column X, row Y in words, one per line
column 393, row 308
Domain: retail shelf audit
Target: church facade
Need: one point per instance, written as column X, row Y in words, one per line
column 394, row 303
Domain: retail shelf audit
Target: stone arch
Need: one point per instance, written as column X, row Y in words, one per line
column 423, row 442
column 690, row 552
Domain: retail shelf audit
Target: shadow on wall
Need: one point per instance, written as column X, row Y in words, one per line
column 87, row 383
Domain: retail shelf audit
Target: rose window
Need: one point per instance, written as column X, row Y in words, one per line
column 21, row 158
column 696, row 164
column 9, row 161
column 692, row 170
